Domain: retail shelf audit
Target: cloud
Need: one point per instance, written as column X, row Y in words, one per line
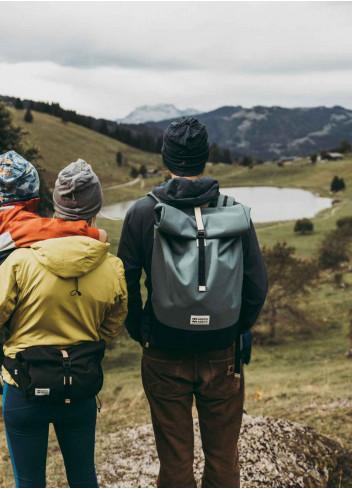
column 228, row 36
column 106, row 58
column 112, row 92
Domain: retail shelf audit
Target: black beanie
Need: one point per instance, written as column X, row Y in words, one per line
column 185, row 148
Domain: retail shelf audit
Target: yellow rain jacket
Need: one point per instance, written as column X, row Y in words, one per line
column 61, row 292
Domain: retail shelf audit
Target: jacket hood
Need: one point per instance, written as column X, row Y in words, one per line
column 70, row 257
column 182, row 192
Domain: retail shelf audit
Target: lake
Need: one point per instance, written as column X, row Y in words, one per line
column 267, row 203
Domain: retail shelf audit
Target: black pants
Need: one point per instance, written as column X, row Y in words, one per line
column 27, row 429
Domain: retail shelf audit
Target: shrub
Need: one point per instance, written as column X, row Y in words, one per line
column 344, row 221
column 289, row 281
column 303, row 226
column 338, row 279
column 313, row 158
column 334, row 250
column 337, row 184
column 345, row 226
column 134, row 172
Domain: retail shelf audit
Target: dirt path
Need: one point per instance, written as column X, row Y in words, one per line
column 127, row 184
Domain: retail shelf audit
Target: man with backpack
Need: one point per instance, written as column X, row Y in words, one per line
column 206, row 284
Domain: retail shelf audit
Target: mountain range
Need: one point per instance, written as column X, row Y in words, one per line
column 263, row 132
column 271, row 132
column 158, row 112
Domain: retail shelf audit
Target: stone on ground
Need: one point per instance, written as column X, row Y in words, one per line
column 273, row 453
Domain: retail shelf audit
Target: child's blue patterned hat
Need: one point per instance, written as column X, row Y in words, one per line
column 19, row 180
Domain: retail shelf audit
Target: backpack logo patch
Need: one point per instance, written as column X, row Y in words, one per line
column 200, row 320
column 42, row 392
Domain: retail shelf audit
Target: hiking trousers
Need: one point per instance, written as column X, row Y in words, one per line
column 27, row 428
column 171, row 380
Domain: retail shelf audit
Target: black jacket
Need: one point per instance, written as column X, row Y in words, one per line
column 135, row 250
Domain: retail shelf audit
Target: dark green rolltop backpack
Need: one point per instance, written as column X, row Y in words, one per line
column 197, row 264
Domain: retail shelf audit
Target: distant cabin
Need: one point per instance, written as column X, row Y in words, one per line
column 286, row 160
column 333, row 156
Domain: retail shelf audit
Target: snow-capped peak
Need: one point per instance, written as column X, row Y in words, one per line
column 155, row 113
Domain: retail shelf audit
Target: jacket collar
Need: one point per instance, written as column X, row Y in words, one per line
column 28, row 205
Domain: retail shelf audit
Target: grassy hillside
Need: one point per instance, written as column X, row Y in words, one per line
column 304, row 377
column 61, row 143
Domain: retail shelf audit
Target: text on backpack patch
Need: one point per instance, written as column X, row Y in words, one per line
column 42, row 392
column 200, row 320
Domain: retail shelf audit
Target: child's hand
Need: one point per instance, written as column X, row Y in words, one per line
column 103, row 236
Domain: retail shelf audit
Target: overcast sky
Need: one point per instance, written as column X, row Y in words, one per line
column 106, row 58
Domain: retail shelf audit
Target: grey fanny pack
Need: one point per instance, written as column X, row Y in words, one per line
column 197, row 264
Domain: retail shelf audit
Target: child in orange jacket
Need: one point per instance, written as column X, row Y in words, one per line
column 19, row 197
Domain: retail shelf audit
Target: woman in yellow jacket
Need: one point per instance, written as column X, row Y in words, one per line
column 59, row 292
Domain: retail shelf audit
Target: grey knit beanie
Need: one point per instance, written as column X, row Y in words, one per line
column 77, row 194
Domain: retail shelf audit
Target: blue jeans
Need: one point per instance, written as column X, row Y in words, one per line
column 27, row 428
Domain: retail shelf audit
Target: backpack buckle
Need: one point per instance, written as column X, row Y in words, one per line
column 201, row 234
column 66, row 363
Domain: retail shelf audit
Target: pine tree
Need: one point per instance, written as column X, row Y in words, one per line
column 214, row 153
column 18, row 104
column 65, row 117
column 344, row 147
column 104, row 128
column 227, row 157
column 28, row 117
column 119, row 158
column 247, row 160
column 143, row 171
column 14, row 138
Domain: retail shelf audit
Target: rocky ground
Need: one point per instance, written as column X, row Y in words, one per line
column 273, row 453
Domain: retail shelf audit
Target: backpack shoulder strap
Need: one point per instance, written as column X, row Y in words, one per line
column 226, row 201
column 154, row 197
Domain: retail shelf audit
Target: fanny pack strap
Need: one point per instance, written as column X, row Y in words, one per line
column 66, row 362
column 12, row 365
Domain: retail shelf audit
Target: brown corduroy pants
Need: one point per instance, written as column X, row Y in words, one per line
column 171, row 379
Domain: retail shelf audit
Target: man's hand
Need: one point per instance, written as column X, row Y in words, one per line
column 103, row 236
